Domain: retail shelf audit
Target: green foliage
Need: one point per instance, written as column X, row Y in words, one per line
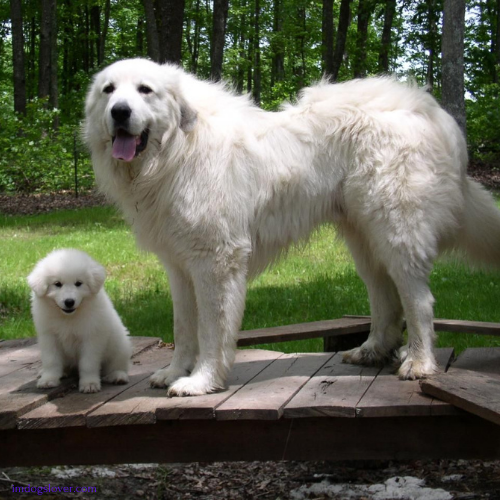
column 483, row 123
column 35, row 156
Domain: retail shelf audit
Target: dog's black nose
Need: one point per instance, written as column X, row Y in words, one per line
column 121, row 112
column 69, row 303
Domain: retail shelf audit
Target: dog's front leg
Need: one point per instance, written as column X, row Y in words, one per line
column 52, row 362
column 220, row 288
column 89, row 366
column 185, row 329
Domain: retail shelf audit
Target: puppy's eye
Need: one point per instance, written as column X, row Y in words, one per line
column 109, row 89
column 58, row 284
column 78, row 283
column 144, row 89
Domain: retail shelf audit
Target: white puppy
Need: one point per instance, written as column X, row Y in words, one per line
column 219, row 188
column 76, row 322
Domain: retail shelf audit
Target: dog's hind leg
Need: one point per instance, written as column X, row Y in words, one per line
column 386, row 310
column 185, row 329
column 220, row 287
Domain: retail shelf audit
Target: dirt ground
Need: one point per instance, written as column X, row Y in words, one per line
column 422, row 480
column 412, row 480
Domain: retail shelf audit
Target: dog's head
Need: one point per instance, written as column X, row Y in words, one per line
column 66, row 277
column 133, row 103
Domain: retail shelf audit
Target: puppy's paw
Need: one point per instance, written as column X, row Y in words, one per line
column 195, row 385
column 116, row 377
column 46, row 382
column 167, row 376
column 413, row 369
column 89, row 386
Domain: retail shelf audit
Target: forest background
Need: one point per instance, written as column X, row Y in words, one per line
column 49, row 50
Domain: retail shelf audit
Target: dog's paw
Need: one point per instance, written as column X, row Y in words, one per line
column 413, row 369
column 89, row 386
column 167, row 376
column 196, row 385
column 364, row 355
column 47, row 382
column 116, row 377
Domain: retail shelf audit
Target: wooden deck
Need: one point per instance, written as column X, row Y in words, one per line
column 277, row 406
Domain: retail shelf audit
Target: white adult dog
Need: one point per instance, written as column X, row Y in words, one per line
column 76, row 322
column 219, row 188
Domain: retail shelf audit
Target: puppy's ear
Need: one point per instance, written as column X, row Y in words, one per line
column 189, row 116
column 97, row 275
column 38, row 282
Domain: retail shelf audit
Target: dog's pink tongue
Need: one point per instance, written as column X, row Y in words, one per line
column 124, row 146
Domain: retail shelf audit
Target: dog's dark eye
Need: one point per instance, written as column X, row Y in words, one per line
column 78, row 283
column 144, row 89
column 58, row 284
column 109, row 89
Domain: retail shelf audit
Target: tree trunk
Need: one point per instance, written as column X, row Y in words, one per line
column 432, row 41
column 170, row 36
column 257, row 69
column 453, row 60
column 44, row 54
column 54, row 92
column 104, row 35
column 338, row 55
column 364, row 12
column 18, row 57
column 278, row 56
column 218, row 36
column 151, row 31
column 327, row 37
column 383, row 58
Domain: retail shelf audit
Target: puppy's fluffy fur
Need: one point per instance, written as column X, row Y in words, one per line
column 76, row 322
column 219, row 188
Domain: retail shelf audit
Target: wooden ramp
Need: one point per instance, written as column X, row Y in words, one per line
column 277, row 406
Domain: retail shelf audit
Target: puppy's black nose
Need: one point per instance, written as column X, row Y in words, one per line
column 121, row 112
column 69, row 303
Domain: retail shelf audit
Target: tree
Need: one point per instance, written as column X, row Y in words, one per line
column 18, row 57
column 48, row 61
column 365, row 9
column 453, row 60
column 171, row 14
column 151, row 30
column 343, row 26
column 383, row 58
column 256, row 87
column 218, row 38
column 328, row 32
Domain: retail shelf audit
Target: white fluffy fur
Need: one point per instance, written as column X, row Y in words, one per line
column 89, row 334
column 223, row 188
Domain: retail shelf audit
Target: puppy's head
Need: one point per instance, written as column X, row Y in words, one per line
column 132, row 104
column 66, row 277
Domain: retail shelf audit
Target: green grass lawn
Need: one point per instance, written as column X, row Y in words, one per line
column 314, row 282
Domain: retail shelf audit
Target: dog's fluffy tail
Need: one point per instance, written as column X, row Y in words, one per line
column 480, row 235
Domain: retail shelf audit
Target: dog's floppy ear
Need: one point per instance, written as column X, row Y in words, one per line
column 188, row 114
column 38, row 282
column 96, row 275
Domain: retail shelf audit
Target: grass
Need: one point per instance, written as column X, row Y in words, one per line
column 315, row 282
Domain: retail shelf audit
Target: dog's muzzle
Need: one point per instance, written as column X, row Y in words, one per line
column 126, row 146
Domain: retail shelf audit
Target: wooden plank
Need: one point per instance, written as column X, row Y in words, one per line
column 301, row 331
column 13, row 359
column 334, row 391
column 474, row 392
column 248, row 364
column 479, row 359
column 456, row 325
column 267, row 394
column 6, row 344
column 72, row 409
column 390, row 397
column 19, row 394
column 412, row 438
